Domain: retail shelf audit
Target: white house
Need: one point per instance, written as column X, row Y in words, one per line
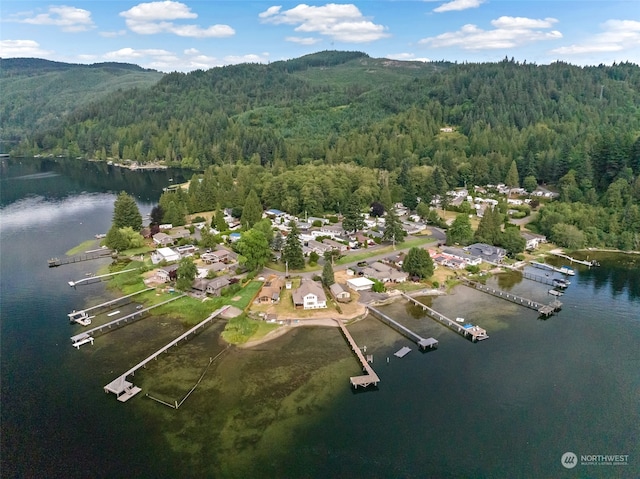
column 309, row 295
column 164, row 254
column 360, row 284
column 533, row 240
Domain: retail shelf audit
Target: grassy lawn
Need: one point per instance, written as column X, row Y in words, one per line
column 82, row 247
column 246, row 295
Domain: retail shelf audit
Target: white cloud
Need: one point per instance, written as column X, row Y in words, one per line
column 119, row 33
column 617, row 36
column 303, row 41
column 250, row 58
column 69, row 19
column 457, row 5
column 343, row 23
column 509, row 32
column 157, row 17
column 131, row 54
column 21, row 49
column 407, row 57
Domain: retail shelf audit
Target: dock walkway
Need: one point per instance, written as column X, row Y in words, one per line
column 116, row 322
column 423, row 343
column 95, row 279
column 574, row 260
column 564, row 270
column 543, row 309
column 367, row 379
column 83, row 314
column 124, row 389
column 88, row 256
column 476, row 333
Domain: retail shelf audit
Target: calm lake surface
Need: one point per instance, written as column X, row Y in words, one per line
column 509, row 406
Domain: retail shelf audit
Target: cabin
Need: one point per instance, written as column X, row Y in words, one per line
column 339, row 293
column 270, row 292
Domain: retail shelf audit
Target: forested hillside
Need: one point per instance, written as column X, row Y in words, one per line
column 312, row 133
column 38, row 94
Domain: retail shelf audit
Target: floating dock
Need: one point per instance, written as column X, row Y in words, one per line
column 563, row 270
column 75, row 340
column 401, row 353
column 370, row 377
column 475, row 333
column 88, row 256
column 543, row 309
column 124, row 389
column 423, row 343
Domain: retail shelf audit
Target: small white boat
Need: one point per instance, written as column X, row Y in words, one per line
column 460, row 320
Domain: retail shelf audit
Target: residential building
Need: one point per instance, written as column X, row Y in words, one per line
column 309, row 295
column 339, row 293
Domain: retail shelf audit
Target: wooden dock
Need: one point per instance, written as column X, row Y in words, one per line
column 370, row 377
column 124, row 389
column 88, row 256
column 83, row 314
column 97, row 279
column 543, row 309
column 423, row 343
column 475, row 333
column 130, row 318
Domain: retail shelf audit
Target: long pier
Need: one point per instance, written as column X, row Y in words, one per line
column 83, row 314
column 574, row 260
column 88, row 256
column 79, row 338
column 95, row 279
column 124, row 389
column 543, row 309
column 367, row 379
column 476, row 333
column 423, row 343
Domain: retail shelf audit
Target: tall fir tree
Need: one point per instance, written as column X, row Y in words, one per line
column 353, row 220
column 252, row 211
column 292, row 252
column 393, row 230
column 126, row 212
column 328, row 278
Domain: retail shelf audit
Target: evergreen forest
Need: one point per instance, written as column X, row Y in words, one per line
column 313, row 134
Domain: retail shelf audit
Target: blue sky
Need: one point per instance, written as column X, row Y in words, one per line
column 190, row 34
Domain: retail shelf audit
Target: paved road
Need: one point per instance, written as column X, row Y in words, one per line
column 343, row 266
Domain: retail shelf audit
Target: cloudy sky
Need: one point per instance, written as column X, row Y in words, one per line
column 184, row 35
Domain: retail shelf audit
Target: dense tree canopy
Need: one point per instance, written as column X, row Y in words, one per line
column 418, row 263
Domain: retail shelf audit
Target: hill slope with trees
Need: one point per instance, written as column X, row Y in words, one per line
column 39, row 94
column 314, row 133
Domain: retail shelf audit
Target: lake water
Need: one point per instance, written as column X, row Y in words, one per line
column 509, row 406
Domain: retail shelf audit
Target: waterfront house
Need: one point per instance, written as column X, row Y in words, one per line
column 214, row 286
column 309, row 295
column 270, row 292
column 488, row 253
column 533, row 240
